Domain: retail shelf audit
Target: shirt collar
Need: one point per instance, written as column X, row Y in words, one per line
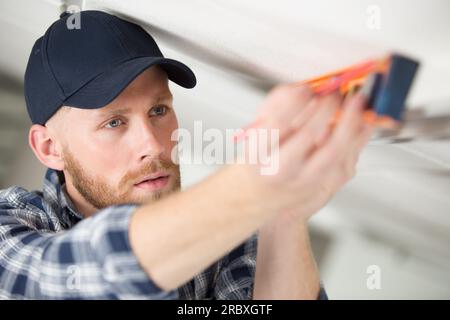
column 55, row 193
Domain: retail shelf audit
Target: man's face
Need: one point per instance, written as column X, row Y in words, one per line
column 108, row 151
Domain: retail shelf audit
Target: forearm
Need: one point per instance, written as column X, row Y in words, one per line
column 285, row 265
column 179, row 236
column 92, row 260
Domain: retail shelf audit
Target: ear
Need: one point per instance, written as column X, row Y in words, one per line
column 45, row 147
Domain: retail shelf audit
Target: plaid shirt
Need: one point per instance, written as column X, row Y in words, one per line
column 48, row 251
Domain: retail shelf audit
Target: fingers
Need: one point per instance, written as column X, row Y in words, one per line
column 351, row 122
column 360, row 143
column 321, row 123
column 362, row 131
column 312, row 128
column 306, row 134
column 281, row 105
column 369, row 127
column 339, row 154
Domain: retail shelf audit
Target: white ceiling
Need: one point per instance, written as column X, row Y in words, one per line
column 238, row 49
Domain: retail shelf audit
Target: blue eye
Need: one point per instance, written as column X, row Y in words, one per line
column 158, row 110
column 114, row 123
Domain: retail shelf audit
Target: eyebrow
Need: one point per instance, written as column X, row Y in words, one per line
column 121, row 111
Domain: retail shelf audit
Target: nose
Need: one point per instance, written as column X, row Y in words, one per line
column 149, row 143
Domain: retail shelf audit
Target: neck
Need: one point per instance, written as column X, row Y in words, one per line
column 82, row 206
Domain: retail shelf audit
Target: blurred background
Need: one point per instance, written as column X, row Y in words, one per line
column 386, row 235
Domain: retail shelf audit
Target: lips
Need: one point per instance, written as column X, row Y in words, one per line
column 152, row 177
column 153, row 182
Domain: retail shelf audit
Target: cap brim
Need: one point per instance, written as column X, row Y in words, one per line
column 107, row 86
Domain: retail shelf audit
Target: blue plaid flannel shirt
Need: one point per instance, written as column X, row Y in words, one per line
column 48, row 251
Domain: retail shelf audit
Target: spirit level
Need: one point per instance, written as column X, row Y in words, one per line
column 385, row 82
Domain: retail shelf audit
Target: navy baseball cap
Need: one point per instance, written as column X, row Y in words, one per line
column 89, row 67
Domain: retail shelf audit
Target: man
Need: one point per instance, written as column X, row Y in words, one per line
column 103, row 117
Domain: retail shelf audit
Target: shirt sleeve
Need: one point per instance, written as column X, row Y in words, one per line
column 236, row 272
column 322, row 293
column 93, row 260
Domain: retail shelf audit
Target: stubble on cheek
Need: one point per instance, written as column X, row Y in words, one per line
column 100, row 194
